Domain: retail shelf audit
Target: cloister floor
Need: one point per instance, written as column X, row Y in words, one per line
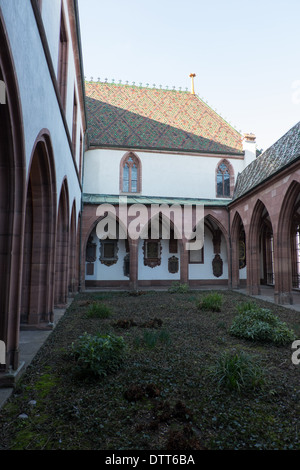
column 73, row 414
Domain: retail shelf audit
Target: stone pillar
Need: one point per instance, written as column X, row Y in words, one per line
column 133, row 250
column 283, row 271
column 184, row 262
column 253, row 269
column 235, row 275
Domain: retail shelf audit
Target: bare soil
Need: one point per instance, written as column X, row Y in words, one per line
column 162, row 398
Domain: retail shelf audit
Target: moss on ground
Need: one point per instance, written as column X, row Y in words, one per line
column 162, row 397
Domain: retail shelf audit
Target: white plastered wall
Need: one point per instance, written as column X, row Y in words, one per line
column 163, row 175
column 205, row 271
column 39, row 105
column 161, row 272
column 145, row 273
column 108, row 273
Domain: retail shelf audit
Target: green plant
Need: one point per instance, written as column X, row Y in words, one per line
column 152, row 338
column 237, row 371
column 260, row 324
column 246, row 306
column 45, row 383
column 99, row 310
column 178, row 287
column 99, row 354
column 212, row 302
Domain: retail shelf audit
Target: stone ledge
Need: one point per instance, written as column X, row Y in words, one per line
column 10, row 378
column 40, row 327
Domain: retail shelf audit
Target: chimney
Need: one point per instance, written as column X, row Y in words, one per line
column 192, row 76
column 249, row 146
column 250, row 137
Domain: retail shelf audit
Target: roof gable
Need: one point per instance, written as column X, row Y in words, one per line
column 134, row 117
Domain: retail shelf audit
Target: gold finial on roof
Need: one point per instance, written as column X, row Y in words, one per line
column 192, row 76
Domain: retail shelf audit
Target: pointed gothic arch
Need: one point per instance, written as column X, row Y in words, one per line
column 98, row 254
column 161, row 245
column 260, row 249
column 238, row 249
column 39, row 238
column 12, row 189
column 130, row 173
column 224, row 179
column 288, row 272
column 72, row 255
column 62, row 247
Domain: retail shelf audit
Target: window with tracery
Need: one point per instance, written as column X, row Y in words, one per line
column 296, row 256
column 130, row 174
column 62, row 77
column 223, row 179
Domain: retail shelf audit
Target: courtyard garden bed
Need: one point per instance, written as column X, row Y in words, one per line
column 180, row 378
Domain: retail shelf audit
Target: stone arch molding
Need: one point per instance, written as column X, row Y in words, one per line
column 108, row 224
column 230, row 169
column 12, row 195
column 284, row 284
column 39, row 234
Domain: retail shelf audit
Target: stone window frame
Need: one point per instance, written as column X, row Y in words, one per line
column 197, row 262
column 74, row 124
column 230, row 170
column 295, row 246
column 135, row 160
column 63, row 59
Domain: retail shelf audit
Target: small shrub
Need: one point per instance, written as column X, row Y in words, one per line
column 178, row 287
column 152, row 338
column 246, row 306
column 99, row 310
column 212, row 302
column 99, row 354
column 237, row 371
column 260, row 324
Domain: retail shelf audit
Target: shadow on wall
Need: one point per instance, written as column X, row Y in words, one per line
column 116, row 127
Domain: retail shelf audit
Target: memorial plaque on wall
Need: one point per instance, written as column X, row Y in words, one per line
column 173, row 265
column 217, row 266
column 90, row 269
column 109, row 252
column 152, row 253
column 126, row 266
column 242, row 254
column 91, row 247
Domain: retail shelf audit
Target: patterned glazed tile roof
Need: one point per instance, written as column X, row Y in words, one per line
column 280, row 154
column 123, row 116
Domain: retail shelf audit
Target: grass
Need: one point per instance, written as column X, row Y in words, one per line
column 185, row 382
column 99, row 310
column 211, row 302
column 238, row 371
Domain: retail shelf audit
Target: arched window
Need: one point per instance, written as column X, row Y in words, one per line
column 130, row 174
column 225, row 179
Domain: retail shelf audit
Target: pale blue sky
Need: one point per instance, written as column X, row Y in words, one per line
column 245, row 54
